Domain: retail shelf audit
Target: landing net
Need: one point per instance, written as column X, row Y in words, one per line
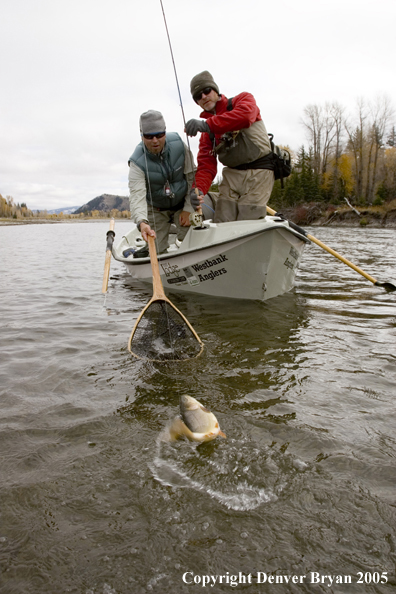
column 162, row 334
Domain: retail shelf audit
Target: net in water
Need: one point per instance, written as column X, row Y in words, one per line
column 162, row 334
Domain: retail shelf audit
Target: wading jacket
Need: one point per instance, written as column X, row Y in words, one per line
column 244, row 116
column 159, row 171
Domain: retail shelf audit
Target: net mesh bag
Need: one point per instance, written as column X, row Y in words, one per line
column 162, row 334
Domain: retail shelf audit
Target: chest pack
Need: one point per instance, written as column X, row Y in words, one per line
column 278, row 160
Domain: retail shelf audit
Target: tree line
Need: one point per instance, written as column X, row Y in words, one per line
column 9, row 209
column 348, row 156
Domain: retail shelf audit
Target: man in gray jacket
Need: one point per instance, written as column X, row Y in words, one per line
column 161, row 173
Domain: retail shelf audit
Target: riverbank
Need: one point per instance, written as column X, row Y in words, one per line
column 318, row 215
column 34, row 221
column 315, row 214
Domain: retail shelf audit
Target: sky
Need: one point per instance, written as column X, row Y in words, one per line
column 75, row 77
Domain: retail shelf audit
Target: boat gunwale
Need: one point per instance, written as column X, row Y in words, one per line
column 178, row 253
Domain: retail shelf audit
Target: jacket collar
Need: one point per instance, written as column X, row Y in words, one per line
column 221, row 106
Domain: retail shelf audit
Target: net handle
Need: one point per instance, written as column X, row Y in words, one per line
column 158, row 289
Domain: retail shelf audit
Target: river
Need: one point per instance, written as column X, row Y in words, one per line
column 300, row 496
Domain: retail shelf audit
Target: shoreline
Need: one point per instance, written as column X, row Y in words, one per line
column 312, row 215
column 34, row 221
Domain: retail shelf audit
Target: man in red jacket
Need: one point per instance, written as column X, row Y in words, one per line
column 232, row 131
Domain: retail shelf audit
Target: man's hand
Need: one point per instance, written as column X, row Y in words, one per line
column 184, row 218
column 196, row 199
column 145, row 230
column 195, row 126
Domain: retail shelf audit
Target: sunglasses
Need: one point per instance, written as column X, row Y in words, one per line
column 206, row 91
column 156, row 135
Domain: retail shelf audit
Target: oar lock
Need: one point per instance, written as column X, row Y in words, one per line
column 110, row 238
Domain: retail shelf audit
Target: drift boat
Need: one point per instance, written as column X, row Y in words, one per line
column 242, row 259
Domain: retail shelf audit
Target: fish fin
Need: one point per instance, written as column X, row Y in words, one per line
column 177, row 429
column 201, row 406
column 204, row 409
column 222, row 434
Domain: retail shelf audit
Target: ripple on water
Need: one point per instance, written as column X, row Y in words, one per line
column 236, row 472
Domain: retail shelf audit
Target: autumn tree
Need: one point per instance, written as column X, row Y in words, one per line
column 8, row 208
column 325, row 129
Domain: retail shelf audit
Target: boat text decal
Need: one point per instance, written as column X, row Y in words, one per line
column 209, row 264
column 288, row 263
column 176, row 276
column 192, row 279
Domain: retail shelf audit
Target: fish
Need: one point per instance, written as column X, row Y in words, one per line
column 195, row 422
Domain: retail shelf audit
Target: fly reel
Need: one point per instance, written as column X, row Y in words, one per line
column 196, row 219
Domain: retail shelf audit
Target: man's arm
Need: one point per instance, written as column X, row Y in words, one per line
column 207, row 164
column 137, row 193
column 138, row 201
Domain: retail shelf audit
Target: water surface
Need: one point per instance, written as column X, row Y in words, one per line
column 92, row 501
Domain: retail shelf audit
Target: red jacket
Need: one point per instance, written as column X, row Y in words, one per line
column 244, row 113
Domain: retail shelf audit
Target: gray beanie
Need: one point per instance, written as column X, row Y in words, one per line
column 151, row 122
column 201, row 81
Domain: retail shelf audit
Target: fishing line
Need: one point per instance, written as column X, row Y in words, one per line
column 178, row 89
column 180, row 99
column 181, row 102
column 148, row 182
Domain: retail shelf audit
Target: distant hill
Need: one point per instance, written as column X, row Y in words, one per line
column 65, row 210
column 105, row 202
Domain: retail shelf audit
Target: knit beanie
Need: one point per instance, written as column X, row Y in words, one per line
column 201, row 81
column 151, row 122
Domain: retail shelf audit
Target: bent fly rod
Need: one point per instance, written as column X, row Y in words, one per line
column 199, row 220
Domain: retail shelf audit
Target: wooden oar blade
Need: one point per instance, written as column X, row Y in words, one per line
column 110, row 238
column 161, row 334
column 387, row 286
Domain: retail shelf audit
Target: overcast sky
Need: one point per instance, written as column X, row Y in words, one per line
column 76, row 75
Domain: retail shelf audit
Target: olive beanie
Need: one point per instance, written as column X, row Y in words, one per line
column 201, row 81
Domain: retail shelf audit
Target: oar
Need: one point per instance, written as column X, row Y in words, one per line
column 161, row 332
column 110, row 238
column 387, row 286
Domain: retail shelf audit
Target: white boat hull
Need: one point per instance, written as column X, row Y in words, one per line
column 242, row 260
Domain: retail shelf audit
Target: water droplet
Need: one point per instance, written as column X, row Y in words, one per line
column 300, row 465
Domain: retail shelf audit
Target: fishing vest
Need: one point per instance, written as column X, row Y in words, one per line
column 243, row 146
column 164, row 170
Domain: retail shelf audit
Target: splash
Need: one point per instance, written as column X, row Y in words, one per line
column 240, row 476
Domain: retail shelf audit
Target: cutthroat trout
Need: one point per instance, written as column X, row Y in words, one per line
column 195, row 422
